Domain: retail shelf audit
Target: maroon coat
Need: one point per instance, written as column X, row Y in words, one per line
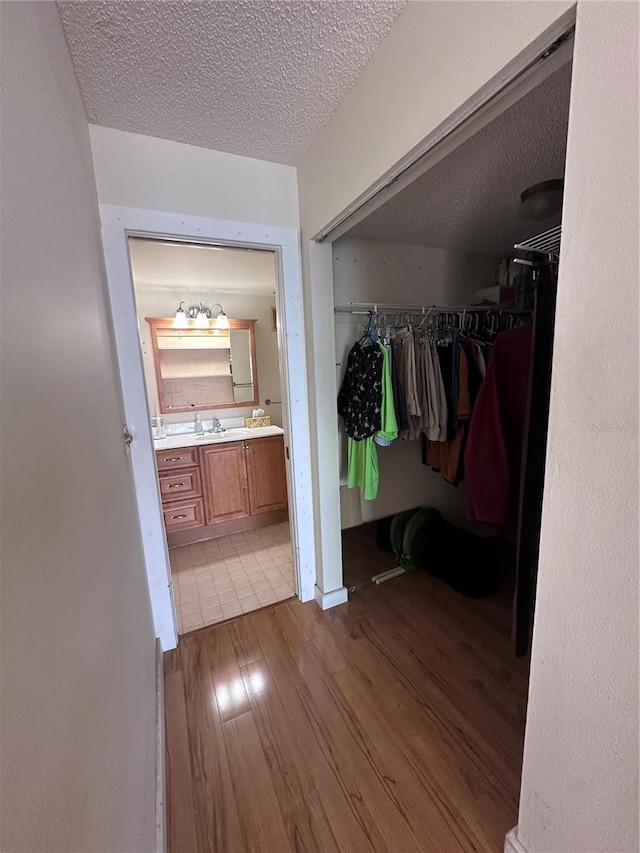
column 493, row 455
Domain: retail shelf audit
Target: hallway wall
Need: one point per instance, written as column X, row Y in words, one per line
column 78, row 647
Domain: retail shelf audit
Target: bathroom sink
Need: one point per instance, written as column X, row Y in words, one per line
column 228, row 434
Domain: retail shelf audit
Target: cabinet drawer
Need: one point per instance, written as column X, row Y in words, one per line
column 182, row 457
column 176, row 485
column 183, row 515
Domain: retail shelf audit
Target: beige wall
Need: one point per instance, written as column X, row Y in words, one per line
column 435, row 57
column 156, row 174
column 162, row 302
column 78, row 649
column 580, row 778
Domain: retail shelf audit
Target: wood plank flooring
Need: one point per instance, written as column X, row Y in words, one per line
column 392, row 723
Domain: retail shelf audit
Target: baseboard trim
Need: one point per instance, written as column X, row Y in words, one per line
column 511, row 843
column 331, row 599
column 161, row 800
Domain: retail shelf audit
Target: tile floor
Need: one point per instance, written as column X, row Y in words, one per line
column 225, row 577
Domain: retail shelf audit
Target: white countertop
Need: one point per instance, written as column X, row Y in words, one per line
column 190, row 439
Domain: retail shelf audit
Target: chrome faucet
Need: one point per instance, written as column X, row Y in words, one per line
column 217, row 426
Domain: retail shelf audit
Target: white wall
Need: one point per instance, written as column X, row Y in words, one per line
column 162, row 302
column 373, row 271
column 78, row 647
column 580, row 777
column 156, row 174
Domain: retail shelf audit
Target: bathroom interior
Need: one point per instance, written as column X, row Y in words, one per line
column 209, row 340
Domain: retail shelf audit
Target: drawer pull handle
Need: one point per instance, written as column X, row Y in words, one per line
column 176, row 517
column 174, row 485
column 173, row 459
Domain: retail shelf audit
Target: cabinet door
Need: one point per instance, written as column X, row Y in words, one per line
column 224, row 475
column 266, row 472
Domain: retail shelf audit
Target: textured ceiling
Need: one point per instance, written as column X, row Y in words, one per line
column 193, row 268
column 470, row 200
column 259, row 79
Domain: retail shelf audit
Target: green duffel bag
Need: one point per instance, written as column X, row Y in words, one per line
column 400, row 521
column 422, row 539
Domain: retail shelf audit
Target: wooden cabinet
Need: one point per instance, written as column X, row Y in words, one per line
column 244, row 478
column 217, row 489
column 266, row 474
column 226, row 491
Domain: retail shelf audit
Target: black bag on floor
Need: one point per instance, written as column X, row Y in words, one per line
column 468, row 563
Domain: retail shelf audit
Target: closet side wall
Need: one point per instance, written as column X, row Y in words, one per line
column 580, row 773
column 397, row 273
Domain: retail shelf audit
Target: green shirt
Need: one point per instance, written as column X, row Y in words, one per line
column 362, row 468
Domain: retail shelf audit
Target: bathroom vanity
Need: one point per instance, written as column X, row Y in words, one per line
column 221, row 483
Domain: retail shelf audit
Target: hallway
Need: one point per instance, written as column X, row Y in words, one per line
column 391, row 723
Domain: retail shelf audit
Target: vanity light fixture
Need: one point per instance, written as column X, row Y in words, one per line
column 201, row 314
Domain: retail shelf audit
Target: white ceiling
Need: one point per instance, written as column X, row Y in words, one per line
column 186, row 267
column 470, row 200
column 259, row 79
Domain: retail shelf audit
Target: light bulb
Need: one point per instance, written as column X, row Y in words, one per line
column 222, row 321
column 181, row 321
column 202, row 321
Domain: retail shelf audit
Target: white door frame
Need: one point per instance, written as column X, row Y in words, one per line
column 117, row 224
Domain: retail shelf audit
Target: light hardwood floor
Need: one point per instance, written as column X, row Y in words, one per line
column 392, row 723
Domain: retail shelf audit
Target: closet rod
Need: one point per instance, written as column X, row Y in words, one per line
column 386, row 308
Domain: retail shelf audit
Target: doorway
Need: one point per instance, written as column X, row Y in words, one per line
column 118, row 227
column 228, row 554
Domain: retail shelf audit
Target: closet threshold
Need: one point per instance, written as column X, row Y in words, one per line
column 387, row 576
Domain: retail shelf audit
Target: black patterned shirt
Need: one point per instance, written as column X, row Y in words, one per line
column 360, row 397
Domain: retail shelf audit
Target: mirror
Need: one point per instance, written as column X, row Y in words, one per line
column 204, row 368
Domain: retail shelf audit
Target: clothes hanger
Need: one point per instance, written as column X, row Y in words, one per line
column 368, row 337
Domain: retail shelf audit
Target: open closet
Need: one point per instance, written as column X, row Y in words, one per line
column 444, row 313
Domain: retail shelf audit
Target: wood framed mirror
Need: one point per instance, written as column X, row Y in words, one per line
column 200, row 368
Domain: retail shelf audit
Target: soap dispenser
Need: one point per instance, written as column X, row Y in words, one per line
column 197, row 425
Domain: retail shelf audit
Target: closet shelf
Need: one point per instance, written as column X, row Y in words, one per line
column 547, row 243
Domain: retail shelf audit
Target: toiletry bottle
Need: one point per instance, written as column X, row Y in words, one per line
column 197, row 425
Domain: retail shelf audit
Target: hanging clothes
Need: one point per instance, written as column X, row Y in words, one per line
column 447, row 456
column 397, row 378
column 493, row 455
column 448, row 356
column 362, row 454
column 436, row 396
column 388, row 431
column 360, row 397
